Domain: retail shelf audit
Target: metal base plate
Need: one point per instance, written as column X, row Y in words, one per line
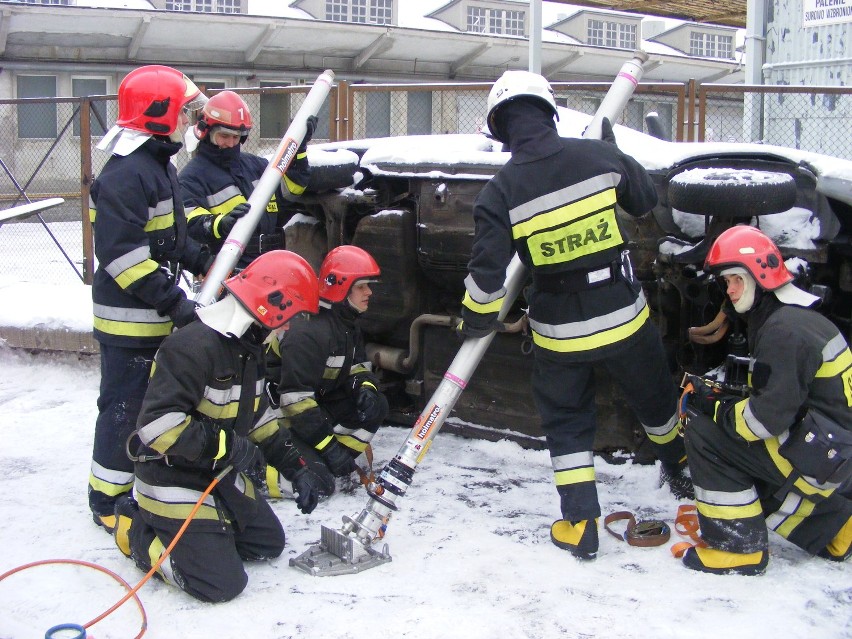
column 338, row 554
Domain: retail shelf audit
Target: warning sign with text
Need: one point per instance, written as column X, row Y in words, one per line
column 819, row 12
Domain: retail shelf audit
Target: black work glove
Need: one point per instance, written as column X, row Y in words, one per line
column 240, row 452
column 606, row 132
column 372, row 405
column 306, row 485
column 225, row 223
column 182, row 312
column 310, row 126
column 338, row 459
column 477, row 325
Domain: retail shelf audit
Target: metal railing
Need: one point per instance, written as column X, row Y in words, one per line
column 47, row 144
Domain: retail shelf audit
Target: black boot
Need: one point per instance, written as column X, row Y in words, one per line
column 676, row 477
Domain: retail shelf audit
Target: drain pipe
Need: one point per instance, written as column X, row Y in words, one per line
column 402, row 361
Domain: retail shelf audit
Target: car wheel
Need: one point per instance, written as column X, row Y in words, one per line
column 722, row 192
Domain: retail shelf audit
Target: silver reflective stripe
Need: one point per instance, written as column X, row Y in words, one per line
column 664, row 429
column 224, row 195
column 140, row 315
column 725, row 498
column 110, row 476
column 835, row 346
column 569, row 194
column 134, row 257
column 358, row 433
column 151, row 431
column 269, row 415
column 172, row 494
column 220, row 396
column 335, row 361
column 295, row 397
column 590, row 326
column 163, row 208
column 573, row 460
column 478, row 295
column 754, row 424
column 788, row 507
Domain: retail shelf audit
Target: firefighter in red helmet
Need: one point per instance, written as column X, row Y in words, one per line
column 327, row 390
column 205, row 411
column 139, row 232
column 219, row 180
column 780, row 458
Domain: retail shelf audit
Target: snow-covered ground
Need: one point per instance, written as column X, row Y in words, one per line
column 470, row 544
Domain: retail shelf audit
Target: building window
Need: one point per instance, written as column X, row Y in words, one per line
column 495, row 21
column 178, row 5
column 616, row 35
column 359, row 11
column 228, row 6
column 419, row 113
column 711, row 45
column 66, row 3
column 204, row 6
column 82, row 87
column 274, row 111
column 37, row 120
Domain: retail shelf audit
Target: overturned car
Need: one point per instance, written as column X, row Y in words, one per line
column 408, row 201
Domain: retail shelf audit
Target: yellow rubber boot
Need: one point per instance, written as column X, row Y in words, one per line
column 839, row 548
column 722, row 562
column 580, row 539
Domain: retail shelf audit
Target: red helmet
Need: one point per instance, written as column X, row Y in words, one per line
column 151, row 98
column 275, row 287
column 750, row 248
column 225, row 109
column 341, row 268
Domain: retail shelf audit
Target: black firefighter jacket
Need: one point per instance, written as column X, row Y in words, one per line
column 554, row 204
column 139, row 228
column 216, row 180
column 321, row 355
column 203, row 382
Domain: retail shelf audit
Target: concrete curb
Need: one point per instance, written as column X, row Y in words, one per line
column 41, row 338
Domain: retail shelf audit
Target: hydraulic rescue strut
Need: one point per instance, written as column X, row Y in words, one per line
column 351, row 548
column 235, row 243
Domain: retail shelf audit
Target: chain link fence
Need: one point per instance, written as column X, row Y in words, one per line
column 48, row 144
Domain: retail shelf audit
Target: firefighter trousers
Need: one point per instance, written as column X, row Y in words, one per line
column 124, row 379
column 207, row 561
column 564, row 394
column 742, row 488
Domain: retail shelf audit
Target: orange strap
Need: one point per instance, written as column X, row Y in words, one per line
column 367, row 477
column 686, row 524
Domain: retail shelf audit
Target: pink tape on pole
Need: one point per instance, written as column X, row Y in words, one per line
column 458, row 381
column 634, row 81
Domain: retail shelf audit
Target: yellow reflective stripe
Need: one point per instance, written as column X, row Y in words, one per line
column 265, row 431
column 581, row 238
column 489, row 307
column 136, row 273
column 223, row 447
column 93, row 213
column 722, row 511
column 331, row 373
column 587, row 343
column 740, row 424
column 272, row 482
column 370, row 385
column 574, row 476
column 325, row 442
column 805, row 508
column 133, row 329
column 664, row 439
column 109, row 488
column 195, row 212
column 564, row 214
column 847, row 386
column 351, row 442
column 165, row 441
column 836, row 366
column 222, row 411
column 786, row 469
column 297, row 408
column 295, row 189
column 160, row 222
column 175, row 511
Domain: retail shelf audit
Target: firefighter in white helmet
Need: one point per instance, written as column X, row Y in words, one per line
column 780, row 458
column 219, row 180
column 554, row 204
column 139, row 232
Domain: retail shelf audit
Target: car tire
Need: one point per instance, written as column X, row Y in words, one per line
column 723, row 192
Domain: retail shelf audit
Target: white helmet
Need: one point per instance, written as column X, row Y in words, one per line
column 518, row 84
